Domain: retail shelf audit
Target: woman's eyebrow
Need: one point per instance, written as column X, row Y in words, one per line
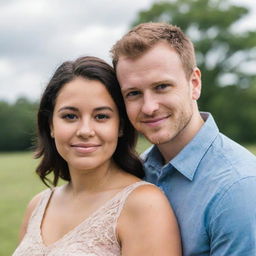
column 104, row 108
column 68, row 108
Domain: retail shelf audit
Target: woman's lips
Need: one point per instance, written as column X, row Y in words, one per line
column 85, row 148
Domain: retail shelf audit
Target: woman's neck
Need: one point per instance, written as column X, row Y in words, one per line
column 92, row 181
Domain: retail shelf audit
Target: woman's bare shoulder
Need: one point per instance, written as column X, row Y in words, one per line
column 28, row 212
column 148, row 217
column 147, row 195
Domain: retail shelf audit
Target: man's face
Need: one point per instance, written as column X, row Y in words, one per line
column 159, row 98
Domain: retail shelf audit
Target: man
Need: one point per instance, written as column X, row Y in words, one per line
column 209, row 179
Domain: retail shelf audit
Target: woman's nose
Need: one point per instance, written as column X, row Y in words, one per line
column 85, row 129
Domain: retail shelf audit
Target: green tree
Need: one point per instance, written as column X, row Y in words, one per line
column 18, row 125
column 223, row 55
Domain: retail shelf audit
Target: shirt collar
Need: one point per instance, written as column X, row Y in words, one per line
column 188, row 159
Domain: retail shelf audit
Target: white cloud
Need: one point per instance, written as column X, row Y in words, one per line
column 37, row 36
column 5, row 68
column 22, row 84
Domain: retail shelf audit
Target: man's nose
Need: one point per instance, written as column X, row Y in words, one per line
column 150, row 104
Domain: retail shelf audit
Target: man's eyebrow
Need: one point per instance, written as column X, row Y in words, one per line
column 162, row 82
column 129, row 89
column 169, row 81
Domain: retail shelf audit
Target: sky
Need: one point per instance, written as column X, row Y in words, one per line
column 36, row 36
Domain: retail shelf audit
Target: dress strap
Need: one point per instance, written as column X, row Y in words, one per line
column 35, row 220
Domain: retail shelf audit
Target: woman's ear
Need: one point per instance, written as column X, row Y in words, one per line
column 195, row 81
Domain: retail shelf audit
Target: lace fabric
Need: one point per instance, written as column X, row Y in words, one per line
column 95, row 236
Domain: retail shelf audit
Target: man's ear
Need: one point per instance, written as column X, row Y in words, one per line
column 195, row 81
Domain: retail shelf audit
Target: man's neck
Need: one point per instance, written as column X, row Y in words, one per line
column 171, row 148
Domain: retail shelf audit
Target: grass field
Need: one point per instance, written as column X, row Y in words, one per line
column 18, row 184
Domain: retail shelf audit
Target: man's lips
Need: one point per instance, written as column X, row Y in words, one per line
column 154, row 121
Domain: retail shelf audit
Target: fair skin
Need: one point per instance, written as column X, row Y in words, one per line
column 160, row 100
column 86, row 132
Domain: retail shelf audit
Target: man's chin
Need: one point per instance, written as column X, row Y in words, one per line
column 157, row 139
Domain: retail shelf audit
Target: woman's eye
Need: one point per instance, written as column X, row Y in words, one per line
column 69, row 116
column 102, row 117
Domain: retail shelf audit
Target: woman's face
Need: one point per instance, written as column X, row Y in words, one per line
column 85, row 125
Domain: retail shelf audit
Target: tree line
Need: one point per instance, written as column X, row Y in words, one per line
column 17, row 129
column 224, row 55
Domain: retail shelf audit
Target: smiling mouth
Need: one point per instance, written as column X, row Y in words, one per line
column 155, row 122
column 80, row 148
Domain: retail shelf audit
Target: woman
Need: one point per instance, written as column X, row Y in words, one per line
column 85, row 138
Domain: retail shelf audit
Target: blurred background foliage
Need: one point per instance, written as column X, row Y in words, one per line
column 17, row 129
column 225, row 54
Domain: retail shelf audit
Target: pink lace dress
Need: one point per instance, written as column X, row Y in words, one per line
column 95, row 236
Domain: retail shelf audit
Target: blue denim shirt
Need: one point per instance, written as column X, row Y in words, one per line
column 211, row 185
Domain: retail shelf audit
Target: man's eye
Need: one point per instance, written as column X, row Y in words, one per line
column 132, row 93
column 102, row 117
column 161, row 86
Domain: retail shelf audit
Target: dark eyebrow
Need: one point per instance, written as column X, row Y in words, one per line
column 76, row 109
column 104, row 108
column 68, row 108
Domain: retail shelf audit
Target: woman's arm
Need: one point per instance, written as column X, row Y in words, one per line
column 147, row 225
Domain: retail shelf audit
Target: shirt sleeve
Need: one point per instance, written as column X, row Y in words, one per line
column 232, row 229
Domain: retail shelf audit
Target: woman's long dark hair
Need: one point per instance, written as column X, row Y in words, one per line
column 94, row 69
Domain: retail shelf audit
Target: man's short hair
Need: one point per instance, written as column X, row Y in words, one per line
column 144, row 36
